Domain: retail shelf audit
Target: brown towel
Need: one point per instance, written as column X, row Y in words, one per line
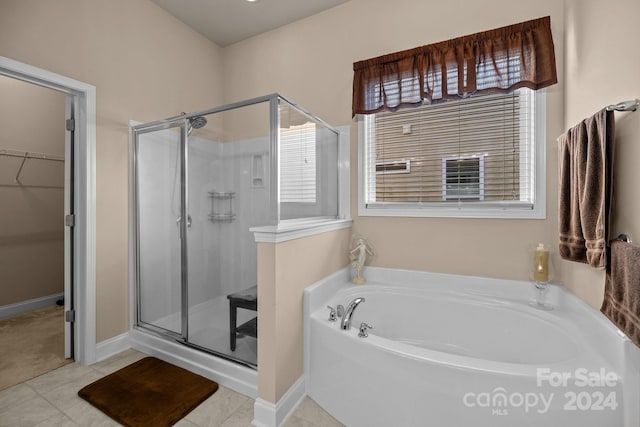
column 585, row 157
column 622, row 289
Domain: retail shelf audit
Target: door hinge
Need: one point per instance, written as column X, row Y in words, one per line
column 70, row 316
column 71, row 125
column 70, row 220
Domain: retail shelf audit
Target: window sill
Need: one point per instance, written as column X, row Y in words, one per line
column 296, row 229
column 496, row 212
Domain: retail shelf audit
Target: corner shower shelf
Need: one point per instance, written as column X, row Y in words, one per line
column 221, row 206
column 222, row 194
column 221, row 217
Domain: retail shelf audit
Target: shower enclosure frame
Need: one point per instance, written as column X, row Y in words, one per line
column 183, row 123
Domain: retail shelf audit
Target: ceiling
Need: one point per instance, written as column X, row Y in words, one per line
column 229, row 21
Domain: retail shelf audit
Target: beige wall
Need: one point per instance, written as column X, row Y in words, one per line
column 31, row 212
column 284, row 270
column 310, row 62
column 602, row 63
column 145, row 65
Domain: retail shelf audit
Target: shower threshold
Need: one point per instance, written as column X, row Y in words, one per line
column 234, row 374
column 208, row 331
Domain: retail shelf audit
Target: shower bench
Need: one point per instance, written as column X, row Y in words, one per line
column 247, row 299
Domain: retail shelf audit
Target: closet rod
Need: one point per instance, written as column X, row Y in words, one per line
column 30, row 155
column 631, row 105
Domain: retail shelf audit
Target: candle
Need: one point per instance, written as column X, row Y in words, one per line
column 541, row 264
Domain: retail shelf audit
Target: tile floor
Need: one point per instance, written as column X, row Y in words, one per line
column 51, row 400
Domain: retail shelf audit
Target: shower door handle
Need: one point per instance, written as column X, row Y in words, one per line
column 179, row 221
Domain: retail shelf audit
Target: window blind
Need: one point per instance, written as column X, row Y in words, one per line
column 496, row 128
column 298, row 163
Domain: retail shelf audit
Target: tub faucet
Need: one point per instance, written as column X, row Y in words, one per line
column 345, row 324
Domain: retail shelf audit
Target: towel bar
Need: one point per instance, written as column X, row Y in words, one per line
column 631, row 105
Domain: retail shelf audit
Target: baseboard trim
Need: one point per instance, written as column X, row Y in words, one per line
column 267, row 414
column 112, row 346
column 30, row 305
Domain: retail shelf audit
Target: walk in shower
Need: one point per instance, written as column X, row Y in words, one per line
column 200, row 183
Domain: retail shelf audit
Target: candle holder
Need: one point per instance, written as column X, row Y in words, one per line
column 541, row 276
column 541, row 297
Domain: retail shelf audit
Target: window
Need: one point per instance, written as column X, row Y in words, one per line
column 398, row 166
column 473, row 157
column 473, row 148
column 463, row 178
column 298, row 164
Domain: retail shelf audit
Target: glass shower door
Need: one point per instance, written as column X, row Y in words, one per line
column 203, row 241
column 160, row 211
column 227, row 194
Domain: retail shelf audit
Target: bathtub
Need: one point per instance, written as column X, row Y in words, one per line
column 450, row 350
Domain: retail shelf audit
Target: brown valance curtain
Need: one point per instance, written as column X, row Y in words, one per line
column 499, row 60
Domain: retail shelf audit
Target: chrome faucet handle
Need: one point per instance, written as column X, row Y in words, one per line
column 364, row 326
column 332, row 314
column 340, row 310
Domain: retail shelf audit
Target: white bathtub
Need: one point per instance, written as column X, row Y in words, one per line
column 460, row 351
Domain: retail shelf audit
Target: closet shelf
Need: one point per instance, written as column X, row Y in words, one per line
column 31, row 155
column 24, row 155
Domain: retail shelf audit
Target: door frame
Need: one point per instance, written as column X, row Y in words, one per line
column 83, row 96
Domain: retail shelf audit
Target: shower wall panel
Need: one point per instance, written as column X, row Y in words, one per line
column 238, row 256
column 203, row 237
column 222, row 253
